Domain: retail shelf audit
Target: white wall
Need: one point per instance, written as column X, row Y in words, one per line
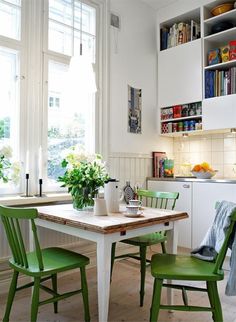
column 179, row 7
column 133, row 62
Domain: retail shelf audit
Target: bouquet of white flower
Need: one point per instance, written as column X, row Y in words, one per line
column 8, row 170
column 84, row 174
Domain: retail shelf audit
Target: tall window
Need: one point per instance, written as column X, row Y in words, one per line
column 71, row 103
column 10, row 30
column 48, row 55
column 10, row 18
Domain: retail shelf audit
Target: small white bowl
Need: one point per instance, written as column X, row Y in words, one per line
column 204, row 175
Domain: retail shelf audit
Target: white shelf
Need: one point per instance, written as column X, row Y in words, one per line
column 176, row 134
column 215, row 98
column 225, row 65
column 229, row 16
column 182, row 118
column 222, row 37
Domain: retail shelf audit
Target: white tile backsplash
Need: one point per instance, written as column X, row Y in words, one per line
column 217, row 144
column 229, row 144
column 217, row 149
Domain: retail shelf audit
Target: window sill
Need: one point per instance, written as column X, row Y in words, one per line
column 16, row 200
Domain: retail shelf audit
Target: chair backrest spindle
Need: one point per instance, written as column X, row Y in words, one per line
column 157, row 199
column 11, row 218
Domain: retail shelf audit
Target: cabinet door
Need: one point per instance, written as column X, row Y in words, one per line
column 183, row 203
column 205, row 196
column 219, row 112
column 180, row 74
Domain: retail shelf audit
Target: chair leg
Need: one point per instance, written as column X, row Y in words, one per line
column 54, row 287
column 163, row 247
column 35, row 300
column 215, row 301
column 142, row 250
column 11, row 295
column 113, row 254
column 85, row 294
column 156, row 300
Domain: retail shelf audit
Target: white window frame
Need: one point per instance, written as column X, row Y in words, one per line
column 33, row 56
column 20, row 46
column 99, row 6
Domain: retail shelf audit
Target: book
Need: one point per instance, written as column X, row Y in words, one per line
column 156, row 157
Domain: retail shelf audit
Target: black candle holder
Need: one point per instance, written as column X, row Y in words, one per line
column 27, row 195
column 40, row 194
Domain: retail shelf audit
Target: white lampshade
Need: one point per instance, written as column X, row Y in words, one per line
column 81, row 75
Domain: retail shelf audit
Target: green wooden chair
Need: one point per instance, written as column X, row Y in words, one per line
column 40, row 265
column 163, row 200
column 185, row 267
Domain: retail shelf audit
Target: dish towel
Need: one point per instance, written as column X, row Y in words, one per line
column 215, row 237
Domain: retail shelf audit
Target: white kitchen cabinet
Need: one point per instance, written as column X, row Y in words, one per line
column 219, row 112
column 183, row 203
column 205, row 196
column 180, row 74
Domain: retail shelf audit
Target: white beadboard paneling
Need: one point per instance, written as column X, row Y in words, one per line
column 131, row 167
column 46, row 237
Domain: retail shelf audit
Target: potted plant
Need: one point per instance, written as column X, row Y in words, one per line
column 84, row 175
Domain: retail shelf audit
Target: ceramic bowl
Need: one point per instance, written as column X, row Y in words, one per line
column 204, row 175
column 222, row 8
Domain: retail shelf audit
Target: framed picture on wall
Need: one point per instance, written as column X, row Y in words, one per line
column 134, row 110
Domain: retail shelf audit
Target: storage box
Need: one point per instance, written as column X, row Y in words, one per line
column 224, row 53
column 232, row 50
column 214, row 56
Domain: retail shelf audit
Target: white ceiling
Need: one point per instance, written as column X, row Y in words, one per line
column 157, row 4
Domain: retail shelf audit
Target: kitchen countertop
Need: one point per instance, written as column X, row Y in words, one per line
column 192, row 179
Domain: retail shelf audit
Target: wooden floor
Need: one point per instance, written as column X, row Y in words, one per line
column 124, row 301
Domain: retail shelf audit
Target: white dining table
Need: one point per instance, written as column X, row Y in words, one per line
column 105, row 230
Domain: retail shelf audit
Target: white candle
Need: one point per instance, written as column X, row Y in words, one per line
column 27, row 162
column 40, row 172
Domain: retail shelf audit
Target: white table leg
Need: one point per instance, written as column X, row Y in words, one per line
column 172, row 243
column 103, row 277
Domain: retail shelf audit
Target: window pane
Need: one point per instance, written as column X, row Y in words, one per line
column 61, row 11
column 70, row 118
column 88, row 46
column 60, row 38
column 9, row 98
column 88, row 18
column 10, row 21
column 16, row 2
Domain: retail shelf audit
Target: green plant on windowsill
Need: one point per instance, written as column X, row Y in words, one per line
column 84, row 175
column 9, row 171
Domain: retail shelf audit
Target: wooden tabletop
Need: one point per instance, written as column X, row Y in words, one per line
column 113, row 222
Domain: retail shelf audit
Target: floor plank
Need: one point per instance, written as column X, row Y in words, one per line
column 124, row 302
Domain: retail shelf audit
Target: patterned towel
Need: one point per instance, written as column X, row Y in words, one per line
column 216, row 236
column 206, row 253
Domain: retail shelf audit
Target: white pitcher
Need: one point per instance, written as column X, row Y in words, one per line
column 100, row 208
column 112, row 195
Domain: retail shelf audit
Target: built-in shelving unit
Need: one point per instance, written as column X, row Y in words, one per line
column 183, row 73
column 219, row 75
column 184, row 118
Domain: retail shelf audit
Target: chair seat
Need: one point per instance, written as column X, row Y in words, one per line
column 183, row 267
column 146, row 240
column 54, row 259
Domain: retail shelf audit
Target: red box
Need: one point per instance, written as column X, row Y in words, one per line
column 177, row 111
column 232, row 50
